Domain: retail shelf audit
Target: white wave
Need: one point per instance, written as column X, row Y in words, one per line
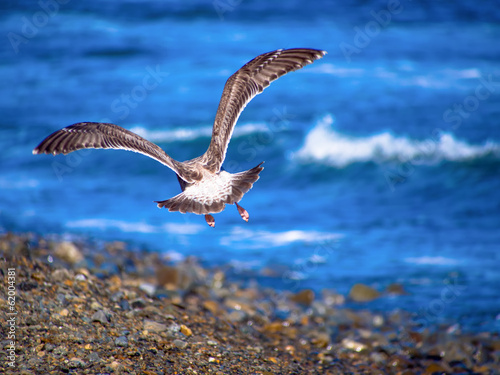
column 183, row 134
column 263, row 239
column 328, row 146
column 432, row 261
column 134, row 227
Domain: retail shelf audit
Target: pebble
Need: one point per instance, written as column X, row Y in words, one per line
column 100, row 316
column 331, row 298
column 173, row 328
column 68, row 252
column 93, row 357
column 218, row 280
column 116, row 297
column 76, row 363
column 181, row 344
column 211, row 306
column 153, row 326
column 304, row 297
column 396, row 289
column 353, row 345
column 124, row 305
column 60, row 275
column 60, row 351
column 378, row 320
column 115, row 365
column 148, row 288
column 64, row 312
column 363, row 293
column 167, row 277
column 138, row 303
column 80, row 277
column 185, row 330
column 121, row 341
column 321, row 339
column 378, row 357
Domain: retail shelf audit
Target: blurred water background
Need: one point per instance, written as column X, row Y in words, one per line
column 382, row 158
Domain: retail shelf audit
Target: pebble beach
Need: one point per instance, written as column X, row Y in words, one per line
column 84, row 308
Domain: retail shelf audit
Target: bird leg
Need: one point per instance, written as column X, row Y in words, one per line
column 210, row 220
column 244, row 214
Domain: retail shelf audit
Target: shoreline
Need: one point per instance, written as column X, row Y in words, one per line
column 83, row 309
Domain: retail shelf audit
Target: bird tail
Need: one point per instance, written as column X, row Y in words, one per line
column 241, row 183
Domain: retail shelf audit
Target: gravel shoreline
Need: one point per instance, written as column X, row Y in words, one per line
column 85, row 310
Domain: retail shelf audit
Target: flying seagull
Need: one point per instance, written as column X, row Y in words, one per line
column 206, row 186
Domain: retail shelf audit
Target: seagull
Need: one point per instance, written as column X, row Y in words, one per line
column 206, row 186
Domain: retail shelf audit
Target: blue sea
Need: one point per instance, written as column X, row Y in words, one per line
column 382, row 160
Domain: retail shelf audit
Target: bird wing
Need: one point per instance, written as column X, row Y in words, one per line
column 102, row 135
column 242, row 86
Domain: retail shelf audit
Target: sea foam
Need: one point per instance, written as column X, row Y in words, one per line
column 323, row 144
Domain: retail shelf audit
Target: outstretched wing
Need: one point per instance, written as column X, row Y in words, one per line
column 102, row 135
column 242, row 86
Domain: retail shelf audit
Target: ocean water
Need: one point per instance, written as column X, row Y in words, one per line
column 382, row 160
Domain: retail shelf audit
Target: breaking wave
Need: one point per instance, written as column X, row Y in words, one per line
column 325, row 145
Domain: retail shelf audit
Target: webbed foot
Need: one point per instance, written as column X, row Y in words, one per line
column 210, row 220
column 244, row 214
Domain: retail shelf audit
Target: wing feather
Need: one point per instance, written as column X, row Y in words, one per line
column 86, row 135
column 242, row 86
